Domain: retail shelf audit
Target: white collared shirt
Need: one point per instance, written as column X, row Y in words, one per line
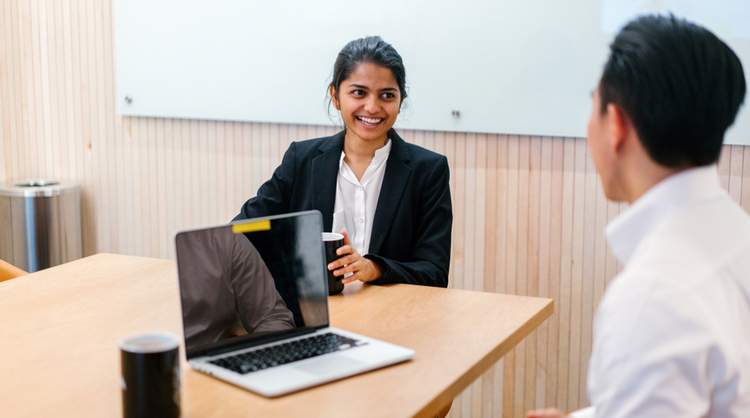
column 672, row 332
column 356, row 200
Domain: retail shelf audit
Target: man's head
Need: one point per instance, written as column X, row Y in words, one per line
column 676, row 85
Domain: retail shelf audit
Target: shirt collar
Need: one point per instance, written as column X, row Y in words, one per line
column 381, row 154
column 679, row 190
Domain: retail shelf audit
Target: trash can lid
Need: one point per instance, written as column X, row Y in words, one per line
column 37, row 188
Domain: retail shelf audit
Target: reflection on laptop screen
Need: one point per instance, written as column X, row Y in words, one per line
column 251, row 280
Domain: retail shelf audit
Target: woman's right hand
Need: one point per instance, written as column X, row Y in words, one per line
column 351, row 261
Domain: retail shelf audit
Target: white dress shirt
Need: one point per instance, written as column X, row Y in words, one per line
column 672, row 332
column 356, row 200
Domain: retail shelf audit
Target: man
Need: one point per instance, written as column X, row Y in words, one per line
column 672, row 332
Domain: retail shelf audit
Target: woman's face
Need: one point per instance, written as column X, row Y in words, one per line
column 369, row 102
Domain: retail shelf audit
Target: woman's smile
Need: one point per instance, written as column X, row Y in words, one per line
column 369, row 121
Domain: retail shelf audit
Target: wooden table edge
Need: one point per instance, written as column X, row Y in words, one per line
column 485, row 363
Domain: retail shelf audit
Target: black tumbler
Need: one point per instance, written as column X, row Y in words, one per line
column 150, row 376
column 332, row 243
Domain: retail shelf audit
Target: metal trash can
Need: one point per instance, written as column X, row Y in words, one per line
column 40, row 223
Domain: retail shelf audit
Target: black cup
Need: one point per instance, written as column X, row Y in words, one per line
column 150, row 376
column 332, row 243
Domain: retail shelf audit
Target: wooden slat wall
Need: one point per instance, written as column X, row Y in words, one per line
column 529, row 211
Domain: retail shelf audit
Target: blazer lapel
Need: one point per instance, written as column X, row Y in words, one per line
column 394, row 182
column 325, row 169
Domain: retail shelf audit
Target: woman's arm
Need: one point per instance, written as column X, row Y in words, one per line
column 429, row 257
column 274, row 195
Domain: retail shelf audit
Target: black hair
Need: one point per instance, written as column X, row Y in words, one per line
column 680, row 85
column 373, row 50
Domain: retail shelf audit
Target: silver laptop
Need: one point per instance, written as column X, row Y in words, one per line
column 255, row 307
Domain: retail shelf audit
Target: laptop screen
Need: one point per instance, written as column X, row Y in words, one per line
column 251, row 281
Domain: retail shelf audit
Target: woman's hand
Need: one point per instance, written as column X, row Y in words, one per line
column 351, row 261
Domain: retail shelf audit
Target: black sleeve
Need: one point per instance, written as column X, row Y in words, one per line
column 429, row 256
column 274, row 195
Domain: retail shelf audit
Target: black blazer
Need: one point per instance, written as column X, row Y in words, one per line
column 411, row 231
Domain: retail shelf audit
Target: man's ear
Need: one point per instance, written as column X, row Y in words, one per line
column 334, row 98
column 620, row 127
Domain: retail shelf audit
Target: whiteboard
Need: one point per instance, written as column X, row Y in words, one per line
column 511, row 67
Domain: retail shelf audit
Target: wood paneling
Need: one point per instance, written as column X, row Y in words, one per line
column 529, row 211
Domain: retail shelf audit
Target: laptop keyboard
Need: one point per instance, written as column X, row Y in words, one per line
column 286, row 353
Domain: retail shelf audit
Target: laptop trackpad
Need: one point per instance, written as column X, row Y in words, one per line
column 328, row 365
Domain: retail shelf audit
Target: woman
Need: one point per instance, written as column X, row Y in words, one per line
column 390, row 199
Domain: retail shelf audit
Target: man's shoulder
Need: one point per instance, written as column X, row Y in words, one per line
column 694, row 242
column 682, row 269
column 680, row 301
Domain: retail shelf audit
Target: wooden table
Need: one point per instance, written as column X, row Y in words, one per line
column 59, row 330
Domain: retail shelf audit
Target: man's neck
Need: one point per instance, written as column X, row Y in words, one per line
column 642, row 174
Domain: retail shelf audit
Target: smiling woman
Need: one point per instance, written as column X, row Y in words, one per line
column 390, row 199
